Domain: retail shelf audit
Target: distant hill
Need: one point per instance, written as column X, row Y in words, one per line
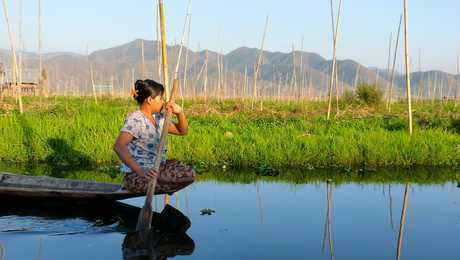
column 121, row 64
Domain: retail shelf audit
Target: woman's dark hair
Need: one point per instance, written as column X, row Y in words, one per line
column 147, row 88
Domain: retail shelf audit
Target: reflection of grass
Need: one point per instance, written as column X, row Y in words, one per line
column 229, row 134
column 418, row 176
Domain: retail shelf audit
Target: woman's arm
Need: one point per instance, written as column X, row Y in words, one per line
column 181, row 127
column 121, row 148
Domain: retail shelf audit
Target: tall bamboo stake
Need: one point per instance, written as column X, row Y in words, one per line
column 389, row 59
column 142, row 60
column 258, row 64
column 390, row 93
column 420, row 85
column 457, row 93
column 356, row 82
column 184, row 88
column 184, row 33
column 406, row 44
column 157, row 27
column 205, row 84
column 335, row 33
column 14, row 58
column 91, row 73
column 40, row 64
column 164, row 52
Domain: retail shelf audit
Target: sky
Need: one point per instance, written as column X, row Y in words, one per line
column 72, row 25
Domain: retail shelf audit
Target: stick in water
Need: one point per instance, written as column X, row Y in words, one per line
column 145, row 216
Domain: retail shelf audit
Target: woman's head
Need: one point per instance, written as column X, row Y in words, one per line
column 148, row 92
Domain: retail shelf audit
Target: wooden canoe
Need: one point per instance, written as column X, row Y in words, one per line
column 25, row 186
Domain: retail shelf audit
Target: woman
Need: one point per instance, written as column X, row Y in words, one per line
column 139, row 139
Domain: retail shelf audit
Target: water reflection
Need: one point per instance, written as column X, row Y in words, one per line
column 391, row 207
column 2, row 251
column 327, row 237
column 156, row 245
column 402, row 222
column 166, row 238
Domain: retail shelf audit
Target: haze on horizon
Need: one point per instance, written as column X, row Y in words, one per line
column 226, row 25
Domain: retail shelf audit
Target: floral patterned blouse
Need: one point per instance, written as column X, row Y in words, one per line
column 143, row 147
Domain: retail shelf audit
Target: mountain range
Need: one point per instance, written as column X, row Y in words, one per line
column 120, row 65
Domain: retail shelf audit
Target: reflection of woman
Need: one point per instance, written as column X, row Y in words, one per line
column 156, row 245
column 139, row 139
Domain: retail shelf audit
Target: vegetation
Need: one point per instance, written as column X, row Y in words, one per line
column 74, row 132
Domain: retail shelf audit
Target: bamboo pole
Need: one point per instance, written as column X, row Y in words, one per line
column 390, row 93
column 145, row 216
column 293, row 85
column 40, row 64
column 402, row 222
column 92, row 81
column 457, row 93
column 14, row 58
column 389, row 59
column 184, row 33
column 420, row 82
column 157, row 27
column 356, row 82
column 164, row 52
column 205, row 84
column 184, row 88
column 142, row 60
column 258, row 64
column 406, row 44
column 335, row 33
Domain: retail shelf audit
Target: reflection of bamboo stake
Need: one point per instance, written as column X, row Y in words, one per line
column 335, row 32
column 2, row 251
column 259, row 203
column 328, row 224
column 402, row 222
column 40, row 249
column 390, row 92
column 258, row 64
column 408, row 87
column 391, row 207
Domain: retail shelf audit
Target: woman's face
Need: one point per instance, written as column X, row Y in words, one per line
column 155, row 103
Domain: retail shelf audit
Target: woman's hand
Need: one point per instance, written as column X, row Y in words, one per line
column 176, row 109
column 149, row 174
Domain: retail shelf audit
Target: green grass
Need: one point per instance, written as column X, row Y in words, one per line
column 74, row 132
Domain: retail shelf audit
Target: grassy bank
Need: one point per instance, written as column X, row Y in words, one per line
column 74, row 132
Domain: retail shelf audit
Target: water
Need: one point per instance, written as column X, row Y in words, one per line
column 264, row 220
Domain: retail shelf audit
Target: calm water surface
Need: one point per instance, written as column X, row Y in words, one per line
column 266, row 220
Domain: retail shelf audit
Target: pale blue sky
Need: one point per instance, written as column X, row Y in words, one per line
column 225, row 25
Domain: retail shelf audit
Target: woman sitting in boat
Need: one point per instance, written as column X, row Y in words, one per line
column 139, row 139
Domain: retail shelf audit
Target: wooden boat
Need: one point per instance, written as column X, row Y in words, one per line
column 41, row 187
